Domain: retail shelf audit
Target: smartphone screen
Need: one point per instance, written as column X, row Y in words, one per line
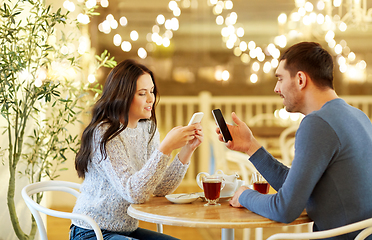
column 220, row 121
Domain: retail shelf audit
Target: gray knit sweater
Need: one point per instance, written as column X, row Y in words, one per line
column 133, row 171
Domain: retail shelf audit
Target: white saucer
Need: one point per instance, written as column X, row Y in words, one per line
column 183, row 197
column 222, row 197
column 226, row 196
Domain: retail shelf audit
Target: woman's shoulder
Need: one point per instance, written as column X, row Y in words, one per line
column 102, row 127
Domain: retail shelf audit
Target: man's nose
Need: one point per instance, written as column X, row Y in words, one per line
column 276, row 89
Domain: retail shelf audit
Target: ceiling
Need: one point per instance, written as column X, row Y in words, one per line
column 198, row 40
column 198, row 30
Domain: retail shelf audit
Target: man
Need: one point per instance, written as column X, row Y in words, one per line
column 331, row 173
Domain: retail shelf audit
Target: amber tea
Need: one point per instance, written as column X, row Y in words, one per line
column 262, row 187
column 212, row 186
column 212, row 189
column 259, row 183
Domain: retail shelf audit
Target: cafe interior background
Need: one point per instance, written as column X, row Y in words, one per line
column 208, row 54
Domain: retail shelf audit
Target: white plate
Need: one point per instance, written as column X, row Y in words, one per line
column 182, row 197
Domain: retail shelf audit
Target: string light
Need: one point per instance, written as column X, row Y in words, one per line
column 123, row 21
column 302, row 19
column 319, row 20
column 253, row 78
column 126, row 46
column 91, row 78
column 142, row 53
column 104, row 3
column 117, row 40
column 70, row 6
column 225, row 75
column 134, row 35
column 169, row 25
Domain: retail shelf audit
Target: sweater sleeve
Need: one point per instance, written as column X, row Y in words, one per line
column 172, row 178
column 173, row 174
column 134, row 185
column 316, row 144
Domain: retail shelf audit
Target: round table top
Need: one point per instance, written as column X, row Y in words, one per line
column 161, row 211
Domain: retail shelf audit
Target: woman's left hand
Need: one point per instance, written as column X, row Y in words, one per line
column 191, row 145
column 199, row 136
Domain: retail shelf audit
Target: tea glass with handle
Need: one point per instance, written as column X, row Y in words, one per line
column 259, row 183
column 212, row 186
column 231, row 182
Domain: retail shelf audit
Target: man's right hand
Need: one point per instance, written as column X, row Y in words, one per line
column 243, row 139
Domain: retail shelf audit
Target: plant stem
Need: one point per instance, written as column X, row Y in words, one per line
column 11, row 206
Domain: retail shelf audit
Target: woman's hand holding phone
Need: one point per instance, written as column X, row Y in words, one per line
column 190, row 136
column 196, row 118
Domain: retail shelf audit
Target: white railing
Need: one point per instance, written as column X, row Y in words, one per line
column 177, row 110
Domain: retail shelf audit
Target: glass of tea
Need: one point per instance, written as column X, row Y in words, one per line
column 259, row 183
column 212, row 186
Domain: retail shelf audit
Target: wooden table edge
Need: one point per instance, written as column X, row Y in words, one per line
column 173, row 221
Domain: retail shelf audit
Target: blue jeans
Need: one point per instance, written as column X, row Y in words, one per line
column 78, row 233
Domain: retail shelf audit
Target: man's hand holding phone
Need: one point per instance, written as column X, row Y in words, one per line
column 221, row 123
column 243, row 139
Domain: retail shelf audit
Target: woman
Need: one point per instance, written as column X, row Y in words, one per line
column 121, row 158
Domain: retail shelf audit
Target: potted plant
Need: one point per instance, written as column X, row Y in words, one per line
column 38, row 100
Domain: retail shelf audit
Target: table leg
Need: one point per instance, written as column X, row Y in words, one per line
column 227, row 234
column 159, row 228
column 246, row 234
column 258, row 234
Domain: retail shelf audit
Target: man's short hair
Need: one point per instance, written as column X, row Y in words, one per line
column 312, row 59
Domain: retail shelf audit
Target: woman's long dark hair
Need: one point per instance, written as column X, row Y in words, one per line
column 113, row 106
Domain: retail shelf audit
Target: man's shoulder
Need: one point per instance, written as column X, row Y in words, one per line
column 338, row 114
column 335, row 108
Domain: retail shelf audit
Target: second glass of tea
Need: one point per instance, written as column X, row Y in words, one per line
column 259, row 183
column 212, row 186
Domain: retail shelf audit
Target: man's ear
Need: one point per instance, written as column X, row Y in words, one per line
column 302, row 79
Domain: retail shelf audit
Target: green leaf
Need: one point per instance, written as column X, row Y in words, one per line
column 41, row 111
column 98, row 58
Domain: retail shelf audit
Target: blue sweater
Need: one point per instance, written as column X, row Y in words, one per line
column 330, row 176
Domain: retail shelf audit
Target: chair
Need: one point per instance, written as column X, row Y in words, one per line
column 35, row 208
column 246, row 168
column 223, row 156
column 268, row 119
column 365, row 224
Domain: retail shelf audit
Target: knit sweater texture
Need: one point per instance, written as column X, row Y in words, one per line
column 133, row 171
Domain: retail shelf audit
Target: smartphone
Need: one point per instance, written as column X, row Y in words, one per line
column 220, row 121
column 196, row 118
